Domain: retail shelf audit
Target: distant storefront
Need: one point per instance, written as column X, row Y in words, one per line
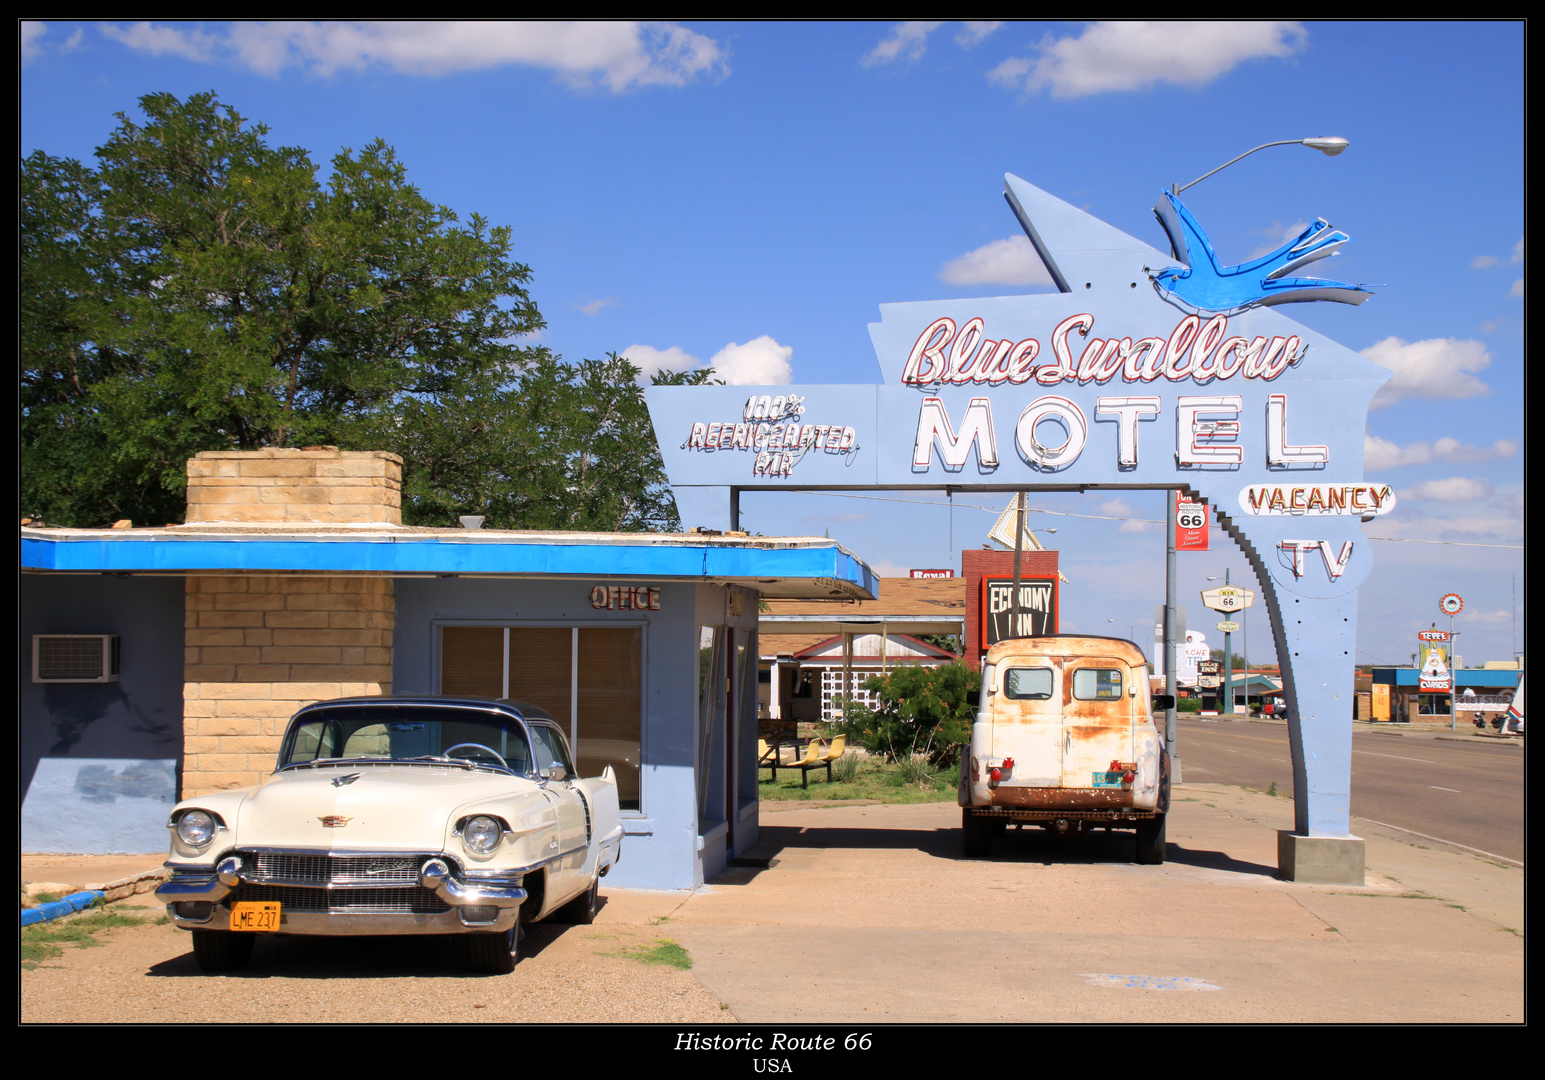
column 1396, row 695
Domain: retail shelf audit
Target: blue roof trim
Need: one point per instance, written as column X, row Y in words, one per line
column 432, row 555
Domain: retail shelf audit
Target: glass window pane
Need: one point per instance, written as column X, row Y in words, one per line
column 1097, row 684
column 472, row 661
column 1027, row 684
column 611, row 678
column 541, row 669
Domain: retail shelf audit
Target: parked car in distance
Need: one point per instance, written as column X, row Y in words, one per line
column 1065, row 738
column 397, row 815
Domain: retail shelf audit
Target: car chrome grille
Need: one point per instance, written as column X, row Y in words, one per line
column 371, row 870
column 390, row 901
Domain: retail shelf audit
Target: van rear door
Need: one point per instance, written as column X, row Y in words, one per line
column 1096, row 720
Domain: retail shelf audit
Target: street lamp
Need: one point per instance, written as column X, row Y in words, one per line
column 1128, row 625
column 1329, row 145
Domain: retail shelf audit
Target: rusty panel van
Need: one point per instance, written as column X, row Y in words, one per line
column 1065, row 738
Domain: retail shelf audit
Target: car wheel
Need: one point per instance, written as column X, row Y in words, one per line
column 976, row 834
column 582, row 909
column 222, row 950
column 1150, row 841
column 495, row 954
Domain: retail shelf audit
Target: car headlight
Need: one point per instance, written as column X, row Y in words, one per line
column 196, row 828
column 481, row 834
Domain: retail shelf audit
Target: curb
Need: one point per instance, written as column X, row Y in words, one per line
column 79, row 901
column 59, row 908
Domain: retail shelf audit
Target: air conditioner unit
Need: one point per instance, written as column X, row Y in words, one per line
column 74, row 658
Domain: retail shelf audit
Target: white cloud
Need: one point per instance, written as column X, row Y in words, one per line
column 1003, row 262
column 31, row 38
column 192, row 44
column 1120, row 508
column 1450, row 489
column 33, row 45
column 1437, row 368
column 649, row 360
column 1115, row 56
column 973, row 34
column 1484, row 262
column 1517, row 289
column 907, row 42
column 759, row 362
column 617, row 55
column 1277, row 235
column 595, row 306
column 1381, row 454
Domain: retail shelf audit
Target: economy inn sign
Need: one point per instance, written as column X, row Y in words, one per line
column 1146, row 369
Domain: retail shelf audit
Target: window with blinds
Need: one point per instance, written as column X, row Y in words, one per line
column 542, row 666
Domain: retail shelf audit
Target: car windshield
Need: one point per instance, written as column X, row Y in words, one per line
column 406, row 733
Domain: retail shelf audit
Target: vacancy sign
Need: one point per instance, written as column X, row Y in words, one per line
column 1190, row 524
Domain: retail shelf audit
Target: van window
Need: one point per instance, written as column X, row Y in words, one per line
column 1097, row 684
column 1027, row 684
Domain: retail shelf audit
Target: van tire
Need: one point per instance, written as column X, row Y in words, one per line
column 976, row 834
column 1150, row 841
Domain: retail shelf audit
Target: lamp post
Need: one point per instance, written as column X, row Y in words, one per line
column 1329, row 145
column 1130, row 631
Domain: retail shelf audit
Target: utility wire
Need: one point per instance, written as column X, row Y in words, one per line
column 1112, row 517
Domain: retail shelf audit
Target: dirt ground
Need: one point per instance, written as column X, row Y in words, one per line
column 146, row 975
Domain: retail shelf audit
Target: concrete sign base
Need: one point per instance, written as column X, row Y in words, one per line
column 1320, row 860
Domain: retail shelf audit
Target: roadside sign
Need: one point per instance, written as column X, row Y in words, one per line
column 1228, row 598
column 1452, row 604
column 1190, row 524
column 1435, row 676
column 933, row 573
column 1229, row 626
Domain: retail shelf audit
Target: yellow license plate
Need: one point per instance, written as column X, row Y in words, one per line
column 255, row 915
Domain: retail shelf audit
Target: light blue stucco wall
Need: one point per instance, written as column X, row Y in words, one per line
column 662, row 848
column 98, row 762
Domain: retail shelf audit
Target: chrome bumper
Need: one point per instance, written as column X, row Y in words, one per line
column 504, row 895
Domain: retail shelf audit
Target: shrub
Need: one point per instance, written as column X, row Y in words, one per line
column 921, row 710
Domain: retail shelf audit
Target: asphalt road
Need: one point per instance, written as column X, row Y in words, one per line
column 1467, row 792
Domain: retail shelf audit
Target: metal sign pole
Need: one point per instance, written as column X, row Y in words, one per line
column 1171, row 683
column 1019, row 543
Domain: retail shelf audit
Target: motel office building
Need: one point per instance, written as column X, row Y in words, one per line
column 166, row 662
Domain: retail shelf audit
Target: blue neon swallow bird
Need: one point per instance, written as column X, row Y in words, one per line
column 1205, row 285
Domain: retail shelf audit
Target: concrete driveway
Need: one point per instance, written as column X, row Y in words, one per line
column 870, row 914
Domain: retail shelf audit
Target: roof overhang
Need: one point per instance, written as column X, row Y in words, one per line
column 811, row 568
column 835, row 624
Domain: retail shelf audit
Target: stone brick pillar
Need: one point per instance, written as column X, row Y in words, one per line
column 319, row 486
column 260, row 647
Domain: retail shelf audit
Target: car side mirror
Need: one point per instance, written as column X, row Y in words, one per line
column 554, row 772
column 973, row 698
column 1163, row 701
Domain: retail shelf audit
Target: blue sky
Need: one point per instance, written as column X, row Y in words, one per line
column 748, row 194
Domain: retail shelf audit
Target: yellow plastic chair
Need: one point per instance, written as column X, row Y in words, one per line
column 838, row 747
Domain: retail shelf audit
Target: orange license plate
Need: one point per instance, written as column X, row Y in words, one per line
column 255, row 915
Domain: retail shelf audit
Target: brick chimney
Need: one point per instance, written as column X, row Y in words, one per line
column 316, row 486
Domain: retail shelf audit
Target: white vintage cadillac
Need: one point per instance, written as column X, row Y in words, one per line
column 397, row 815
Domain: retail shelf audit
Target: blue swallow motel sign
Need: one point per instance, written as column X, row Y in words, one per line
column 1145, row 370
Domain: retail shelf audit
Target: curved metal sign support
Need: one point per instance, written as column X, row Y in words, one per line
column 1114, row 381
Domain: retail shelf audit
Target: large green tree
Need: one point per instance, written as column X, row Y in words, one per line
column 200, row 289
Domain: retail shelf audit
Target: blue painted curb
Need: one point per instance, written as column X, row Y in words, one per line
column 59, row 908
